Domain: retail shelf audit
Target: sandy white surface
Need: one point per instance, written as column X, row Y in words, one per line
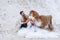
column 10, row 19
column 29, row 33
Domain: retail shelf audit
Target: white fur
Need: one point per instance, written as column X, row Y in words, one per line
column 38, row 23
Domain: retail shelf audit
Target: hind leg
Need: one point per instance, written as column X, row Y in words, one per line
column 50, row 27
column 51, row 20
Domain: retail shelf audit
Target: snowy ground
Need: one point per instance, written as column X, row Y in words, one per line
column 10, row 19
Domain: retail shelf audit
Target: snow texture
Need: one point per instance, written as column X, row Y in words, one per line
column 10, row 18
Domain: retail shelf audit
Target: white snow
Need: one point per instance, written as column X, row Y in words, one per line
column 40, row 33
column 10, row 17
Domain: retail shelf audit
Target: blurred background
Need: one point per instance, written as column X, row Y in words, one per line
column 9, row 13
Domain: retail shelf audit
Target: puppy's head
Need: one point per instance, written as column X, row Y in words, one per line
column 34, row 14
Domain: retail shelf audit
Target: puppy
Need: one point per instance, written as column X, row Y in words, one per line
column 45, row 20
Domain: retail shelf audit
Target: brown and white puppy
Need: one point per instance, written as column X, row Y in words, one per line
column 45, row 20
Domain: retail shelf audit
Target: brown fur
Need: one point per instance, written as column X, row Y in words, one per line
column 34, row 14
column 46, row 20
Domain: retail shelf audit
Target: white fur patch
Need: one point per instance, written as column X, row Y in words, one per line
column 38, row 23
column 31, row 17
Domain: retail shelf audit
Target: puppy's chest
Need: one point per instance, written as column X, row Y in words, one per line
column 38, row 23
column 31, row 17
